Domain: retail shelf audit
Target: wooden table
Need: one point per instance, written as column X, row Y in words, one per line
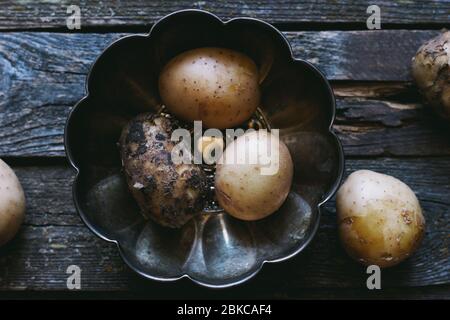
column 380, row 121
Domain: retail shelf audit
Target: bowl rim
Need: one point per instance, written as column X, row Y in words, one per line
column 327, row 196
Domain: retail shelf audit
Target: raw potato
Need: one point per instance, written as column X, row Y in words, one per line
column 169, row 193
column 12, row 203
column 431, row 71
column 242, row 189
column 215, row 85
column 380, row 219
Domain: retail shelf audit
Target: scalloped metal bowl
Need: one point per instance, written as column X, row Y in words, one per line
column 214, row 249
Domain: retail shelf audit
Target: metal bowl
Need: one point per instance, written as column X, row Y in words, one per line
column 214, row 249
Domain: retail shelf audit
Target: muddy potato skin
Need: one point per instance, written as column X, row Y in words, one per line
column 12, row 203
column 169, row 193
column 380, row 219
column 431, row 72
column 215, row 85
column 241, row 189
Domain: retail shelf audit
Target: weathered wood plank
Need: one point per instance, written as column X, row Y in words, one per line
column 40, row 82
column 369, row 127
column 49, row 14
column 366, row 127
column 53, row 237
column 383, row 55
column 375, row 89
column 42, row 79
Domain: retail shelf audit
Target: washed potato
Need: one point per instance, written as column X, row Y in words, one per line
column 251, row 188
column 12, row 203
column 431, row 72
column 215, row 85
column 380, row 219
column 170, row 193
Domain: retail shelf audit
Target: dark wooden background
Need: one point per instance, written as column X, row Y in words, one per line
column 380, row 119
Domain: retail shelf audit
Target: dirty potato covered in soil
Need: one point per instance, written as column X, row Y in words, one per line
column 431, row 71
column 169, row 193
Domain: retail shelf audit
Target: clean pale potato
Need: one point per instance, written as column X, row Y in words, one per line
column 215, row 85
column 380, row 219
column 252, row 190
column 12, row 203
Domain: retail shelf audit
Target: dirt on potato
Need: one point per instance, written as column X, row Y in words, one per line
column 169, row 193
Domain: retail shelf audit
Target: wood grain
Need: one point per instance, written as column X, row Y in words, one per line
column 383, row 55
column 26, row 14
column 369, row 127
column 53, row 237
column 41, row 80
column 366, row 127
